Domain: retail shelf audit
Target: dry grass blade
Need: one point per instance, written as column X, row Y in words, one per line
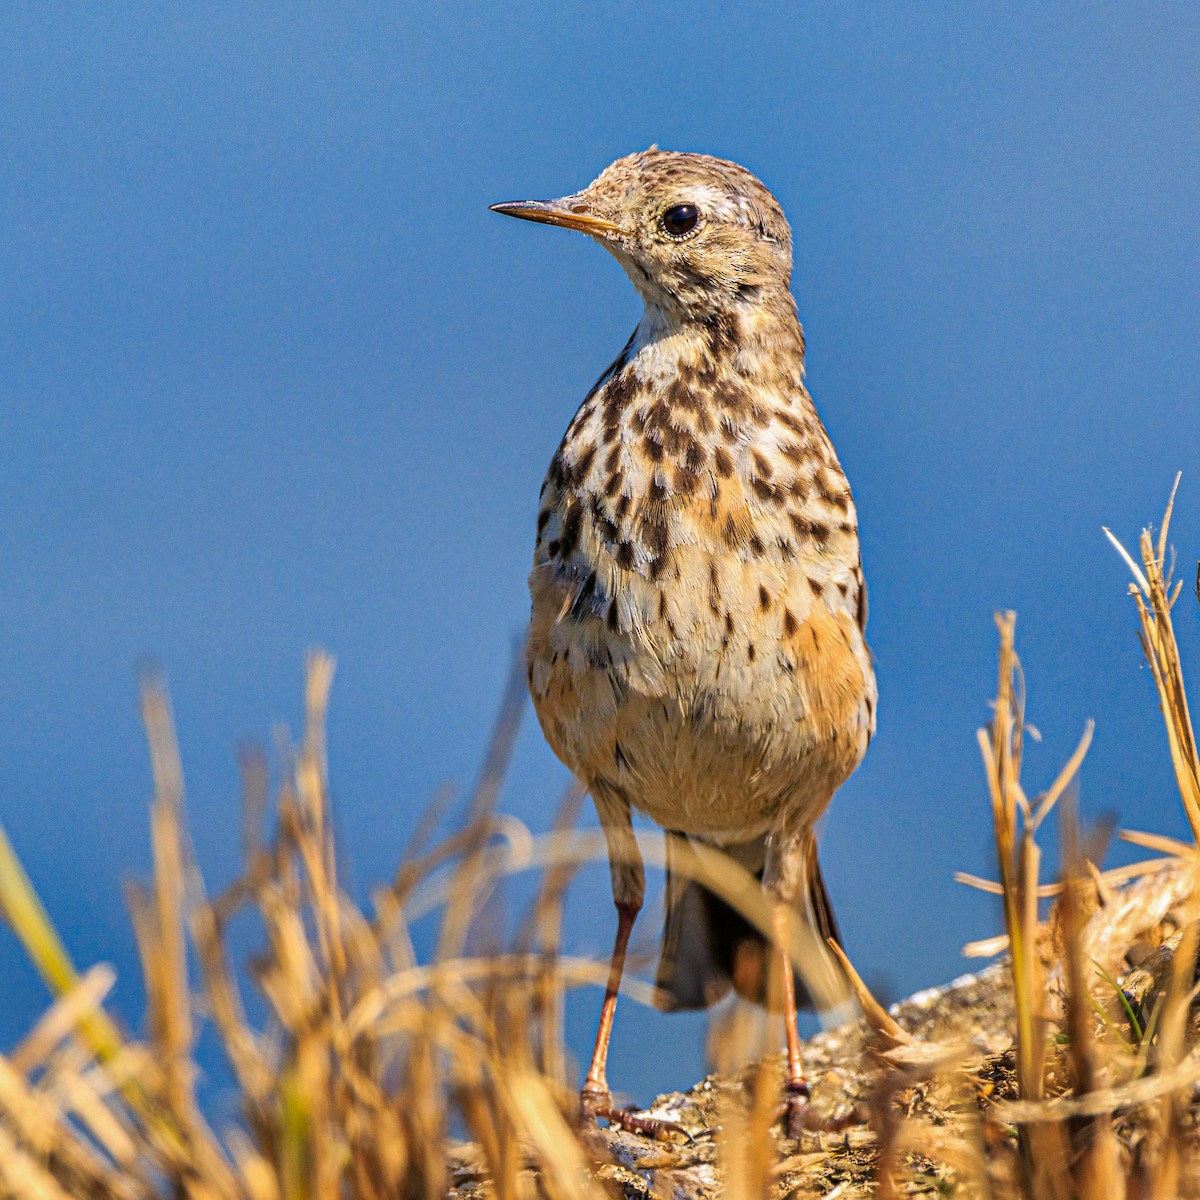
column 1018, row 857
column 1171, row 1052
column 745, row 1142
column 876, row 1016
column 160, row 914
column 66, row 1015
column 1156, row 841
column 1066, row 777
column 1155, row 596
column 22, row 1175
column 565, row 1173
column 465, row 899
column 1094, row 1165
column 1045, row 891
column 1115, row 875
column 1042, row 1147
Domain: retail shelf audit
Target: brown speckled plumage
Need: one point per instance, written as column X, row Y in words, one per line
column 697, row 645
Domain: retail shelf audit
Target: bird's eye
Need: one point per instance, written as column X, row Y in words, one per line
column 680, row 220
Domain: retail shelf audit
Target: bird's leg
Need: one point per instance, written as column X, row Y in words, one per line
column 629, row 890
column 595, row 1087
column 596, row 1099
column 795, row 1085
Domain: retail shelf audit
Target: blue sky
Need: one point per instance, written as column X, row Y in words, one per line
column 272, row 376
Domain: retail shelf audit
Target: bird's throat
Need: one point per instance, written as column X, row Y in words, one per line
column 753, row 342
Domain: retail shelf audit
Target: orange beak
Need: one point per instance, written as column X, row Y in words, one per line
column 568, row 213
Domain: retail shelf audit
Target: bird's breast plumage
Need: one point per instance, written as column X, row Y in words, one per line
column 697, row 633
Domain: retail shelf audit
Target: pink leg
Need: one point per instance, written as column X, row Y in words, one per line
column 795, row 1086
column 596, row 1100
column 595, row 1086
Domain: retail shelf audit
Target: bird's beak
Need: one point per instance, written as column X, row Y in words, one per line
column 570, row 213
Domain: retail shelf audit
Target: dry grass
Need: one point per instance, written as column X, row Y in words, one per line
column 375, row 1075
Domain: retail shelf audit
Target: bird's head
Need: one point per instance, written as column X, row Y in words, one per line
column 697, row 235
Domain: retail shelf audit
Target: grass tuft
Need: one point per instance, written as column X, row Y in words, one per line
column 1070, row 1071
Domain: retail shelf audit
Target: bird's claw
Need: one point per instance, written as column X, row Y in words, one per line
column 599, row 1106
column 658, row 1128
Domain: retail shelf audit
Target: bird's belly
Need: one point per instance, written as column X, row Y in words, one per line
column 705, row 733
column 718, row 779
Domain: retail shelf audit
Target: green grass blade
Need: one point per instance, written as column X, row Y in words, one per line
column 23, row 910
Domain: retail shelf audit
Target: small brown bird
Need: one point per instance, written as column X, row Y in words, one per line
column 696, row 646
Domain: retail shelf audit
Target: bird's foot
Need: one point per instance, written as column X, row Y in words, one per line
column 598, row 1105
column 796, row 1109
column 592, row 1099
column 800, row 1117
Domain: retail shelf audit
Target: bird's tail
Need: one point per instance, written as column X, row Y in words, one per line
column 708, row 947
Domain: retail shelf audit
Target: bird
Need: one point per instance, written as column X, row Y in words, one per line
column 697, row 641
